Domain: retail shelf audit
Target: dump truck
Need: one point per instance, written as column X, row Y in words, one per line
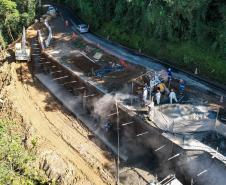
column 22, row 50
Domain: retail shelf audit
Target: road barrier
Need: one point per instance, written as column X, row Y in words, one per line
column 47, row 41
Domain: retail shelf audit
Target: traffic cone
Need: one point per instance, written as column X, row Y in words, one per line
column 196, row 71
column 222, row 99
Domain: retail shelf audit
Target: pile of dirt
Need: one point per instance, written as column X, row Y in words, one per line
column 57, row 169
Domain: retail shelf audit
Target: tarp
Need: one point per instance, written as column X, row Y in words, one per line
column 100, row 73
column 180, row 118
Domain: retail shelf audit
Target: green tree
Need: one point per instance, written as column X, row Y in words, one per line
column 14, row 15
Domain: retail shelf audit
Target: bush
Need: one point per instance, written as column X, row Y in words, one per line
column 16, row 163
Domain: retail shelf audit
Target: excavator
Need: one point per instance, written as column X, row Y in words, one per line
column 22, row 49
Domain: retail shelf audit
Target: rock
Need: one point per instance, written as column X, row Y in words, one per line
column 57, row 169
column 8, row 80
column 29, row 137
column 1, row 85
column 5, row 77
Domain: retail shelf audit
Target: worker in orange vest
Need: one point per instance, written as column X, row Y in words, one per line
column 74, row 36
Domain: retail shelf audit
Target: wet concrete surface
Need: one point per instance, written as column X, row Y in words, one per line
column 213, row 140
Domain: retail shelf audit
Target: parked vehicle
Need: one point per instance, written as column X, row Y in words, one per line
column 51, row 11
column 82, row 28
column 22, row 49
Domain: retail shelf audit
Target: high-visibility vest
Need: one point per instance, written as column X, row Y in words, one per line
column 161, row 87
column 181, row 87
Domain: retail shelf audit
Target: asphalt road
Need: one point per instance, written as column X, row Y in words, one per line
column 135, row 58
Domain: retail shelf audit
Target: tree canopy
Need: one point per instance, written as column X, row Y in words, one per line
column 199, row 20
column 14, row 15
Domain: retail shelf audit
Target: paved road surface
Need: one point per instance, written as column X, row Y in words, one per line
column 132, row 57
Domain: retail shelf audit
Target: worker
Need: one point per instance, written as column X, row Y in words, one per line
column 162, row 87
column 96, row 118
column 158, row 96
column 151, row 85
column 181, row 87
column 151, row 111
column 107, row 126
column 167, row 91
column 172, row 96
column 222, row 99
column 74, row 36
column 146, row 85
column 169, row 72
column 145, row 95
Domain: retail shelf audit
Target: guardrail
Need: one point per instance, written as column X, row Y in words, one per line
column 50, row 36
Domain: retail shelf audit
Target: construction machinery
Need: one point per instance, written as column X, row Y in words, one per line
column 22, row 49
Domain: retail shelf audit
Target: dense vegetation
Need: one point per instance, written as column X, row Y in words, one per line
column 189, row 33
column 16, row 163
column 14, row 15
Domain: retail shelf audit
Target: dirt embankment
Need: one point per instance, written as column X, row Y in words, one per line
column 64, row 149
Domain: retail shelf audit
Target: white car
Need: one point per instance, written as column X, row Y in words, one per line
column 51, row 10
column 82, row 28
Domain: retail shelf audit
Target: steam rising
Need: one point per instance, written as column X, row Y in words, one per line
column 105, row 105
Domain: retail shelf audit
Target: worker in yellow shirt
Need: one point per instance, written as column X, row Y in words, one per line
column 162, row 88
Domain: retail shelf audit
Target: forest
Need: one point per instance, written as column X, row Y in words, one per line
column 188, row 33
column 14, row 15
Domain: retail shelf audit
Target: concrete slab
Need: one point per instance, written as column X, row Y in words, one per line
column 194, row 145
